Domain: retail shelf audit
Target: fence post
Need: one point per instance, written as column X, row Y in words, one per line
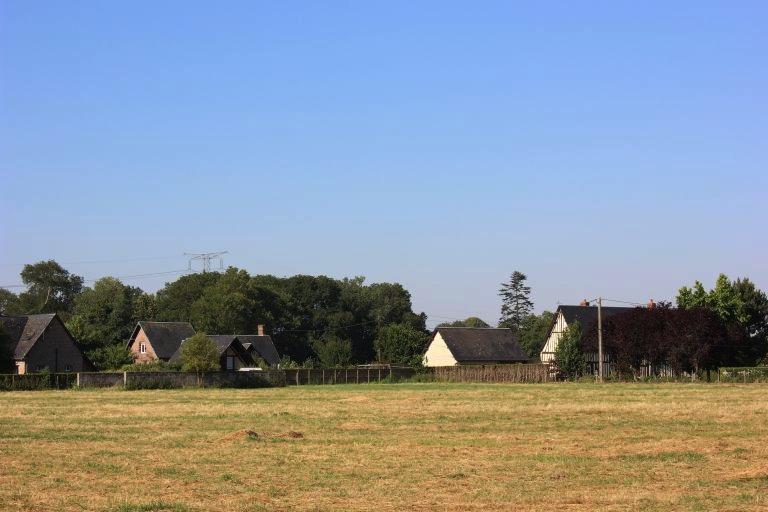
column 125, row 379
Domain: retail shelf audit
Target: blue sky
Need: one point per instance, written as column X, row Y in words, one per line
column 613, row 148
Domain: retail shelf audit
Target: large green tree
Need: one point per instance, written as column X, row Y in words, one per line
column 471, row 321
column 175, row 300
column 8, row 302
column 400, row 344
column 516, row 302
column 103, row 318
column 106, row 313
column 738, row 302
column 533, row 332
column 50, row 289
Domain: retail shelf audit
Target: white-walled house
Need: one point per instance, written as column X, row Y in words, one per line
column 565, row 316
column 450, row 346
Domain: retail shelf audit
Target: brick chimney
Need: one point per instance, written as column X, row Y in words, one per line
column 260, row 330
column 584, row 302
column 651, row 304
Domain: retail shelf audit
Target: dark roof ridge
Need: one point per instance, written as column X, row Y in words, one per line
column 455, row 327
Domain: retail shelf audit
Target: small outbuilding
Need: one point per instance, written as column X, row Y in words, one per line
column 451, row 346
column 42, row 342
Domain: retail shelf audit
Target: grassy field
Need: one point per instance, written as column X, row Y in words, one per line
column 388, row 447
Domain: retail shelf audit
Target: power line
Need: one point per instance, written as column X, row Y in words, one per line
column 134, row 276
column 328, row 328
column 91, row 262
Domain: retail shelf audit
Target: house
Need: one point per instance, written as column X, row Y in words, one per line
column 152, row 341
column 42, row 342
column 260, row 346
column 586, row 316
column 451, row 346
column 232, row 354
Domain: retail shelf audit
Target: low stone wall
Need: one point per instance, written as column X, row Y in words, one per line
column 100, row 380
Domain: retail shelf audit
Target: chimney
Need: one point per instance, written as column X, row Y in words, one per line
column 260, row 329
column 584, row 302
column 651, row 304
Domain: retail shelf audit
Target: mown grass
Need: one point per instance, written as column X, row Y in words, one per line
column 388, row 447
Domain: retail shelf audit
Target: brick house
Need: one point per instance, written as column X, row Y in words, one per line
column 42, row 342
column 153, row 341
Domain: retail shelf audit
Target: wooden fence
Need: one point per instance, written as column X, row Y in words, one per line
column 302, row 376
column 493, row 373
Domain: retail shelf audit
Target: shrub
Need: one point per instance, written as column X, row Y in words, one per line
column 199, row 354
column 152, row 366
column 569, row 358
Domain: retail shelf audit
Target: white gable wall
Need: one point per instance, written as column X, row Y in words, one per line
column 548, row 352
column 438, row 353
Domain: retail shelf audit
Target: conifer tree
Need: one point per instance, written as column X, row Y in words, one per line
column 516, row 304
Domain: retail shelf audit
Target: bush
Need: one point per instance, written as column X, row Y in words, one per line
column 111, row 357
column 569, row 358
column 333, row 352
column 400, row 344
column 199, row 354
column 152, row 366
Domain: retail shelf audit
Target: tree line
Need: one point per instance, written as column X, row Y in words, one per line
column 312, row 319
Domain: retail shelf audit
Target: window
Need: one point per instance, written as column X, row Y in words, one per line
column 230, row 363
column 68, row 368
column 143, row 348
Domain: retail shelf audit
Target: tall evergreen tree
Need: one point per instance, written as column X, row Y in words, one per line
column 516, row 304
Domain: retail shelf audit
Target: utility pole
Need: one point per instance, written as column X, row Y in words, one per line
column 600, row 338
column 206, row 258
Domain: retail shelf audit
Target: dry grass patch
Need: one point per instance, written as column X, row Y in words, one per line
column 389, row 447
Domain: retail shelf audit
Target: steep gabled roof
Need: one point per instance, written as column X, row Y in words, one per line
column 585, row 315
column 263, row 347
column 25, row 331
column 468, row 344
column 165, row 337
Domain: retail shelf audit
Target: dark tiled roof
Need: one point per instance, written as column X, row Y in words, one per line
column 586, row 315
column 469, row 344
column 222, row 342
column 165, row 337
column 25, row 331
column 263, row 347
